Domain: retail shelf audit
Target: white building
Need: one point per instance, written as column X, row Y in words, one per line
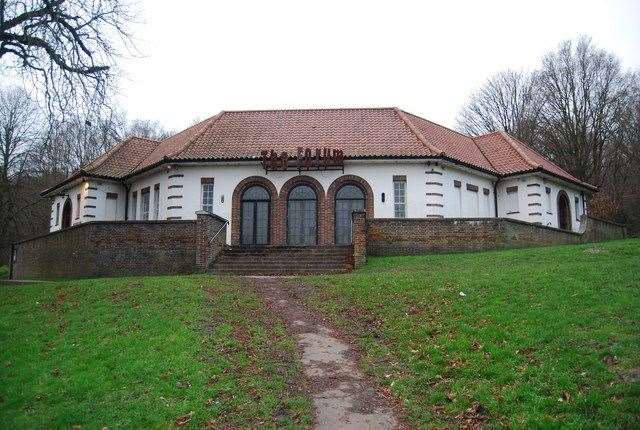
column 387, row 161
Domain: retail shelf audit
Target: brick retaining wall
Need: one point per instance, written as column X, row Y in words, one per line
column 419, row 236
column 120, row 248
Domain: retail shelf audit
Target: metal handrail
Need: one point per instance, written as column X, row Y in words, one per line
column 218, row 232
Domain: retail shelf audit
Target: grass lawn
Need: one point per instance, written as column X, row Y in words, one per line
column 542, row 338
column 143, row 353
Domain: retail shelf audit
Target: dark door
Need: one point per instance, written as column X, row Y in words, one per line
column 348, row 199
column 564, row 211
column 302, row 216
column 66, row 214
column 254, row 228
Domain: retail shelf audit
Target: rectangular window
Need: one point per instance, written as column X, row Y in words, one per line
column 57, row 213
column 134, row 205
column 77, row 206
column 144, row 202
column 156, row 201
column 577, row 208
column 512, row 200
column 549, row 205
column 207, row 194
column 400, row 196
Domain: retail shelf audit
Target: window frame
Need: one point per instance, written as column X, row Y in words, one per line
column 512, row 200
column 134, row 205
column 156, row 202
column 145, row 203
column 78, row 200
column 207, row 185
column 58, row 213
column 399, row 200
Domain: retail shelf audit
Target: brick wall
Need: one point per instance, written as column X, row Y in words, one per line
column 116, row 248
column 419, row 236
column 211, row 237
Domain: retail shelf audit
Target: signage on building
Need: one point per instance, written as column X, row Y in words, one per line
column 304, row 159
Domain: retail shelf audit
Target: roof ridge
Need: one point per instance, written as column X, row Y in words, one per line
column 310, row 109
column 417, row 132
column 473, row 139
column 107, row 154
column 158, row 142
column 439, row 125
column 205, row 128
column 524, row 156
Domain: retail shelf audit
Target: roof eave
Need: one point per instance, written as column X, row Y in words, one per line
column 555, row 175
column 75, row 176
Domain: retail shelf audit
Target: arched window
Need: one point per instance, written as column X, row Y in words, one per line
column 302, row 216
column 349, row 198
column 254, row 215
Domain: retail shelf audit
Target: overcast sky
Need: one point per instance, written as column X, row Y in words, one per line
column 200, row 57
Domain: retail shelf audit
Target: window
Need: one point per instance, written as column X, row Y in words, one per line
column 77, row 206
column 400, row 196
column 156, row 201
column 134, row 205
column 549, row 203
column 512, row 200
column 207, row 194
column 144, row 209
column 57, row 213
column 577, row 208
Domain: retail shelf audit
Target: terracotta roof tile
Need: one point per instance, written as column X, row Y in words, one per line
column 357, row 132
column 123, row 158
column 365, row 132
column 451, row 143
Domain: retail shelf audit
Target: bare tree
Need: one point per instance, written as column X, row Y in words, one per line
column 146, row 128
column 507, row 101
column 585, row 94
column 19, row 118
column 66, row 47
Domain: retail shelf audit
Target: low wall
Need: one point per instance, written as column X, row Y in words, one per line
column 119, row 248
column 394, row 236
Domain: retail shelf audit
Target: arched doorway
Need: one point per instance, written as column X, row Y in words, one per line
column 302, row 216
column 254, row 215
column 564, row 211
column 66, row 213
column 349, row 198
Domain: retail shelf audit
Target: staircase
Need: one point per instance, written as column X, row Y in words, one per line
column 283, row 260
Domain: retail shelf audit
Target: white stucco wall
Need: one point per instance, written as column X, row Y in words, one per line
column 431, row 191
column 93, row 205
column 535, row 205
column 183, row 199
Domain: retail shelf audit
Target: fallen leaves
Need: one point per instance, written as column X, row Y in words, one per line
column 183, row 419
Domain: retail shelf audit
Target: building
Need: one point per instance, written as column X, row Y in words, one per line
column 294, row 176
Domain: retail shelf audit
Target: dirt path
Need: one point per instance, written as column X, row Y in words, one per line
column 343, row 396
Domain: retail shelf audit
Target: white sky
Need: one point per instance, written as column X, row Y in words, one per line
column 426, row 57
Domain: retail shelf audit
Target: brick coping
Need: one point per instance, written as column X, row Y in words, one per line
column 122, row 222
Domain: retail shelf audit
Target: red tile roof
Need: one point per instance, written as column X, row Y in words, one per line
column 358, row 132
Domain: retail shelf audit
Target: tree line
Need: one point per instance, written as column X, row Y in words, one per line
column 37, row 151
column 580, row 109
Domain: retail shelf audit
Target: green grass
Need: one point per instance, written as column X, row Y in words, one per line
column 4, row 272
column 141, row 352
column 544, row 338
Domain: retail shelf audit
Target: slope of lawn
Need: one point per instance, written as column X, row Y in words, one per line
column 156, row 352
column 536, row 338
